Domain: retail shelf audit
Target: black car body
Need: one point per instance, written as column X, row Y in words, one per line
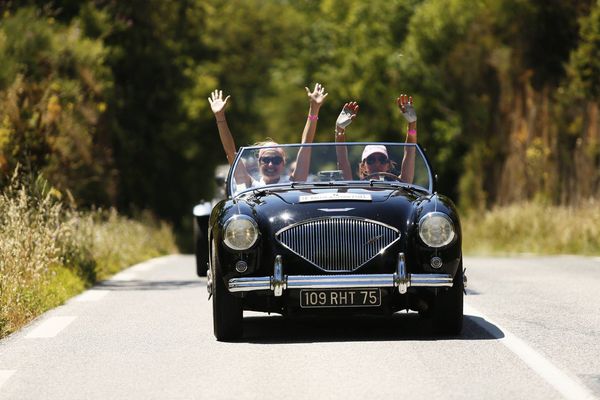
column 334, row 245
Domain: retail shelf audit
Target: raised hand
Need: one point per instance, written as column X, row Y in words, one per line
column 405, row 103
column 317, row 96
column 347, row 115
column 217, row 104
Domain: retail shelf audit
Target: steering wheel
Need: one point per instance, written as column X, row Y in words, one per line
column 388, row 174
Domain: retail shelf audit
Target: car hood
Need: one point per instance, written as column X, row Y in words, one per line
column 276, row 209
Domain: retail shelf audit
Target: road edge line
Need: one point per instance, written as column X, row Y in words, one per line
column 5, row 375
column 566, row 385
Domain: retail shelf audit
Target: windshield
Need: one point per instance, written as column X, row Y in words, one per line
column 330, row 163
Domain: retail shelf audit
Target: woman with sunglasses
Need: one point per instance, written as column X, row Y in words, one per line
column 271, row 164
column 272, row 160
column 375, row 158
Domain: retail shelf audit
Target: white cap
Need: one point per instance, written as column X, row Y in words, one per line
column 372, row 149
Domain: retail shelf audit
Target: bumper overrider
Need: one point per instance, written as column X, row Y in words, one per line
column 279, row 282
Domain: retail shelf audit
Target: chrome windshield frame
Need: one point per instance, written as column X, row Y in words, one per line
column 243, row 150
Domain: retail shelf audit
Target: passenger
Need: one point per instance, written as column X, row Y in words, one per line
column 375, row 158
column 273, row 160
column 271, row 164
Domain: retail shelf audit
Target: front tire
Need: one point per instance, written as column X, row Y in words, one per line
column 227, row 309
column 447, row 313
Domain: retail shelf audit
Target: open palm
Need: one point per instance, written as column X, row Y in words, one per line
column 405, row 103
column 217, row 104
column 347, row 115
column 318, row 95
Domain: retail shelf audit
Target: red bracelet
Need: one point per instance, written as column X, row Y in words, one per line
column 412, row 131
column 313, row 117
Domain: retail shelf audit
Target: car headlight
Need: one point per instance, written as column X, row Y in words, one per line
column 241, row 232
column 436, row 229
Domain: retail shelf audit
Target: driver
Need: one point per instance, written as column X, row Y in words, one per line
column 375, row 157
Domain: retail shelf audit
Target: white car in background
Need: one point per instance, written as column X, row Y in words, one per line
column 201, row 215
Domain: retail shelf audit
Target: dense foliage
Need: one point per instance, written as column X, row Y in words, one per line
column 108, row 98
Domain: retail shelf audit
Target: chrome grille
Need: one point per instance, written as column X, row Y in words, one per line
column 338, row 244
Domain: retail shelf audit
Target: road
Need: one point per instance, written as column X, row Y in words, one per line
column 532, row 331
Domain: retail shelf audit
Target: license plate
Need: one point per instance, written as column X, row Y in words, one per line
column 340, row 298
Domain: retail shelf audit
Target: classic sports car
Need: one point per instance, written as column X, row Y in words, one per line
column 334, row 243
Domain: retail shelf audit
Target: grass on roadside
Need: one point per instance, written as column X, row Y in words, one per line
column 49, row 253
column 533, row 228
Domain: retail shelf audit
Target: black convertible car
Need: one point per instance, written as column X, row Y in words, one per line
column 334, row 242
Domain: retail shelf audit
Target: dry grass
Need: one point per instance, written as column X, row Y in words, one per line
column 534, row 228
column 119, row 242
column 29, row 248
column 48, row 253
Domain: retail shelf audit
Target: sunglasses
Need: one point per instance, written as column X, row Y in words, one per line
column 275, row 160
column 371, row 159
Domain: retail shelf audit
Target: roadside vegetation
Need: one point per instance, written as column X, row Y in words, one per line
column 528, row 228
column 507, row 91
column 51, row 252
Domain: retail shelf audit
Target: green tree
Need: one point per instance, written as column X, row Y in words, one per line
column 52, row 96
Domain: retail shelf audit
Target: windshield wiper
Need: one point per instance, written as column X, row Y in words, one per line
column 397, row 185
column 330, row 183
column 258, row 193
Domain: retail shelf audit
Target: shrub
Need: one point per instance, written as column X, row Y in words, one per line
column 534, row 228
column 50, row 253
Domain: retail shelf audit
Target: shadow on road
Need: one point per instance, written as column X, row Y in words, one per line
column 276, row 329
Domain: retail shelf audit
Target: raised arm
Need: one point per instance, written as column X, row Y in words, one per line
column 315, row 100
column 405, row 104
column 217, row 104
column 345, row 118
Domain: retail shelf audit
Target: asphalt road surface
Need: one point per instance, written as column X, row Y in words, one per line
column 532, row 331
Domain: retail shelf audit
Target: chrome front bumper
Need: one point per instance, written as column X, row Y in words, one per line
column 280, row 282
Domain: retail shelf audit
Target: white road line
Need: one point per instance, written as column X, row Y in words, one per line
column 149, row 264
column 50, row 328
column 124, row 276
column 152, row 263
column 5, row 374
column 145, row 266
column 91, row 295
column 569, row 387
